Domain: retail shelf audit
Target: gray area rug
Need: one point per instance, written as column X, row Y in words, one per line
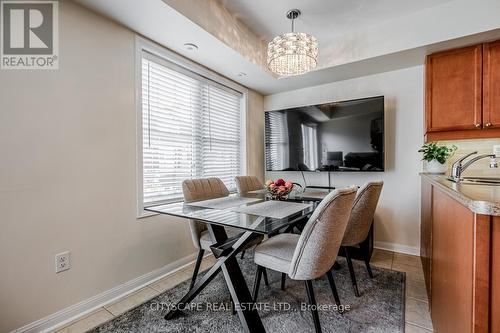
column 379, row 309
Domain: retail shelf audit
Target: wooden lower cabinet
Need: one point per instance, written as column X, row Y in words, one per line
column 495, row 276
column 461, row 259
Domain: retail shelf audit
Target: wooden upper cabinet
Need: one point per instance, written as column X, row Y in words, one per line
column 491, row 85
column 454, row 89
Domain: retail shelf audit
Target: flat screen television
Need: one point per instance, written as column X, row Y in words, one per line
column 342, row 136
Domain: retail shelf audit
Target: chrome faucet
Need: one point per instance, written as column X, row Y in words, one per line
column 458, row 168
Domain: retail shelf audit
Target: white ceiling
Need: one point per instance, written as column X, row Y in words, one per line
column 357, row 37
column 327, row 20
column 322, row 18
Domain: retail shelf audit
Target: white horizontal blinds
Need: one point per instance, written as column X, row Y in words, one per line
column 186, row 130
column 276, row 140
column 221, row 135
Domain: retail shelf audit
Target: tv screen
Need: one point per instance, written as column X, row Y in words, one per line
column 338, row 136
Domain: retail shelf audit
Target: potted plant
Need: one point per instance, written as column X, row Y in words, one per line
column 436, row 156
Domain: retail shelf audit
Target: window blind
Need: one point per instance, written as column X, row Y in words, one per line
column 276, row 140
column 191, row 128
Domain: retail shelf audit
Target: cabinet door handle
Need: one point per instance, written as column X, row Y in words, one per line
column 477, row 125
column 488, row 125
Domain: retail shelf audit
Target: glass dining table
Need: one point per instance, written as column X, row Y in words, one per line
column 254, row 214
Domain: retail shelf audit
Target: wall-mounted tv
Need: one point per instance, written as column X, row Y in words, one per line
column 339, row 136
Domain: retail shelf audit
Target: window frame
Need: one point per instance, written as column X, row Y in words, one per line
column 185, row 66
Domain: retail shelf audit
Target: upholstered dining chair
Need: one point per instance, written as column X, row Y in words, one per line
column 205, row 189
column 360, row 222
column 248, row 183
column 311, row 254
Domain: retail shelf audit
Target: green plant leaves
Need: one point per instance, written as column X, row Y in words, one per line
column 434, row 151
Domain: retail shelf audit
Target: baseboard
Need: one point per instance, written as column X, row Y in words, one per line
column 87, row 306
column 413, row 250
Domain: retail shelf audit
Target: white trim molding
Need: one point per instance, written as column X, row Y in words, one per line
column 79, row 310
column 413, row 250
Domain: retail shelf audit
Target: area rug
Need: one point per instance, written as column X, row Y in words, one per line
column 379, row 309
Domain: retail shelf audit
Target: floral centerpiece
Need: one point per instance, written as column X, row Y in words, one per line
column 279, row 189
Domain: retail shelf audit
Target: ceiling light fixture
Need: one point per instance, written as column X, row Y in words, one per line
column 293, row 53
column 191, row 47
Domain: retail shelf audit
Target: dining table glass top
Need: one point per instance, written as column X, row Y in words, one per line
column 252, row 211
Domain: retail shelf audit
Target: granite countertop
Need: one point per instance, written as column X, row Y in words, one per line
column 481, row 199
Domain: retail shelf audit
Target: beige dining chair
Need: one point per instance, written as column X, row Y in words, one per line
column 311, row 254
column 360, row 222
column 205, row 189
column 246, row 184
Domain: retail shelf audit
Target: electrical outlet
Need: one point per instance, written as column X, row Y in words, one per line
column 496, row 150
column 62, row 262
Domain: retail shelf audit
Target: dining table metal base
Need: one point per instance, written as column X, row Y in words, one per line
column 235, row 281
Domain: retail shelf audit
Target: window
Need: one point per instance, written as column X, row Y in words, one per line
column 191, row 128
column 276, row 140
column 310, row 146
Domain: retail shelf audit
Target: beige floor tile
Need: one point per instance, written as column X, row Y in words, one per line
column 170, row 281
column 413, row 272
column 87, row 323
column 417, row 313
column 382, row 258
column 405, row 259
column 416, row 289
column 131, row 301
column 205, row 264
column 381, row 261
column 410, row 328
column 382, row 253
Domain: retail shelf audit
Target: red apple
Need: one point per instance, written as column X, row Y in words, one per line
column 279, row 182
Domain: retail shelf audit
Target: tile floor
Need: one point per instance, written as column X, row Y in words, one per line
column 417, row 314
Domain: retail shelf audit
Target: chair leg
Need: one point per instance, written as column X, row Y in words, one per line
column 233, row 307
column 256, row 283
column 264, row 272
column 351, row 271
column 329, row 275
column 368, row 268
column 366, row 256
column 283, row 279
column 312, row 302
column 199, row 258
column 336, row 266
column 242, row 254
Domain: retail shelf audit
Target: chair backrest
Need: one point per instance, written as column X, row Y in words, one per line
column 363, row 210
column 320, row 240
column 248, row 183
column 202, row 189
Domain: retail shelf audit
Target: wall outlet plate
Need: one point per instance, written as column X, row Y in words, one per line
column 496, row 150
column 62, row 262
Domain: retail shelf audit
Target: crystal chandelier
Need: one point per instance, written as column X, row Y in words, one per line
column 293, row 53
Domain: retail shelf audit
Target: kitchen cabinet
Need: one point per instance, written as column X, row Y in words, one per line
column 461, row 93
column 491, row 85
column 460, row 253
column 453, row 98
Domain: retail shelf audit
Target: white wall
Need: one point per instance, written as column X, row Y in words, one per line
column 68, row 175
column 397, row 224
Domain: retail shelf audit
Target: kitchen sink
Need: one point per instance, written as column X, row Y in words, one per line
column 478, row 180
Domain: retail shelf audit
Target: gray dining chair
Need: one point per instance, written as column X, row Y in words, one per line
column 205, row 189
column 246, row 184
column 358, row 227
column 311, row 254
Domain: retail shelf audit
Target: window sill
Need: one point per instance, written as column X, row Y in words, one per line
column 142, row 214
